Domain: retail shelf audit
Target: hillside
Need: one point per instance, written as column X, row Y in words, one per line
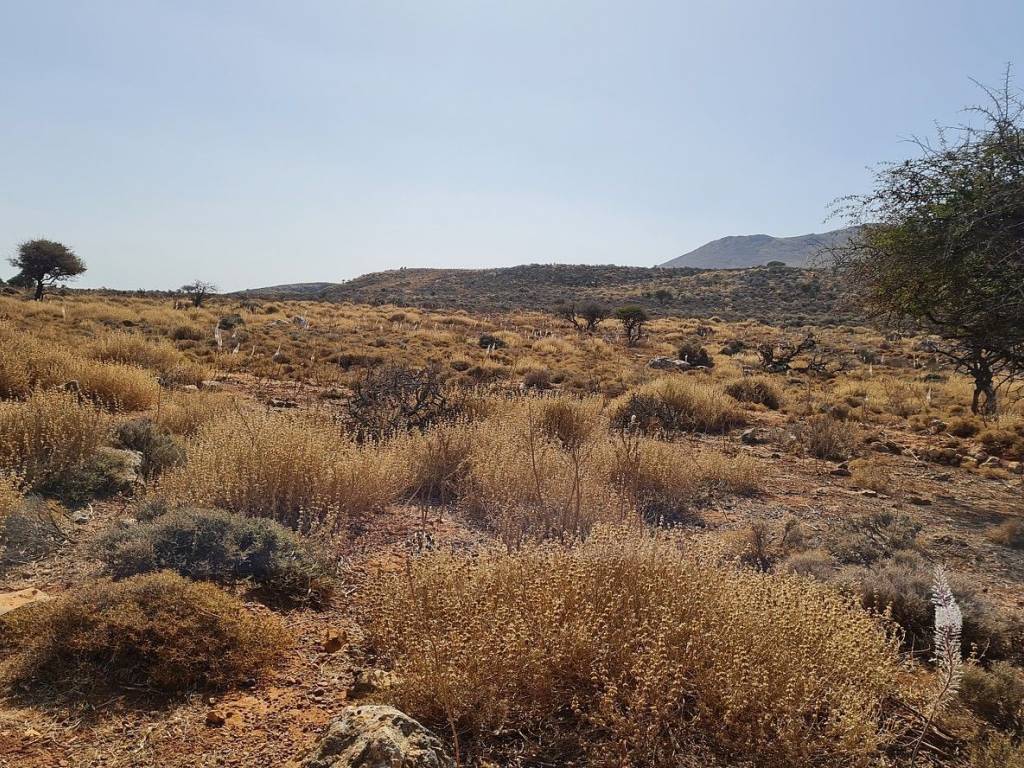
column 778, row 295
column 739, row 251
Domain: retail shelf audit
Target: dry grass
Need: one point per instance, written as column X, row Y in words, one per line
column 762, row 390
column 10, row 495
column 298, row 471
column 158, row 631
column 28, row 363
column 626, row 651
column 49, row 436
column 678, row 403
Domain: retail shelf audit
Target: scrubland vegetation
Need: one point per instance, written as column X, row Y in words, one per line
column 560, row 553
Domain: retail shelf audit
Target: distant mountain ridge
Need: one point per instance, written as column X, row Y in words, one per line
column 740, row 251
column 775, row 294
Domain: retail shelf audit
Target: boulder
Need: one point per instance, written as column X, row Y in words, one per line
column 668, row 364
column 121, row 466
column 377, row 736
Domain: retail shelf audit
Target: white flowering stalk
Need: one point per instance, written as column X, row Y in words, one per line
column 949, row 623
column 947, row 653
column 217, row 336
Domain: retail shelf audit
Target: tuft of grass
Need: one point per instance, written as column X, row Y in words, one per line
column 1009, row 533
column 625, row 650
column 49, row 437
column 301, row 472
column 677, row 403
column 159, row 631
column 756, row 389
column 826, row 437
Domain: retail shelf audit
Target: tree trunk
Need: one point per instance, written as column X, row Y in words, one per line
column 983, row 385
column 39, row 290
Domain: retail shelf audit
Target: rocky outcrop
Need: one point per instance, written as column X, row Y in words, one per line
column 377, row 736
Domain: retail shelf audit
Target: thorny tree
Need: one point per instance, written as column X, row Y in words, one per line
column 394, row 398
column 941, row 246
column 584, row 317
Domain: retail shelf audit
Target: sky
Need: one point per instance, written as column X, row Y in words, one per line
column 255, row 143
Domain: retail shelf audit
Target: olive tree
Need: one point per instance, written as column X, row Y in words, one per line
column 44, row 263
column 941, row 243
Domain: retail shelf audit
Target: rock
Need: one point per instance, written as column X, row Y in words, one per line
column 879, row 447
column 752, row 436
column 80, row 517
column 668, row 364
column 377, row 736
column 981, row 457
column 215, row 718
column 1016, row 467
column 334, row 641
column 277, row 402
column 369, row 680
column 121, row 467
column 843, row 470
column 9, row 601
column 919, row 501
column 211, row 384
column 894, row 447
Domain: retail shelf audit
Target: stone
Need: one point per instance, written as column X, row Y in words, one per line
column 10, row 601
column 752, row 436
column 121, row 466
column 366, row 681
column 215, row 718
column 377, row 736
column 277, row 402
column 334, row 641
column 843, row 470
column 668, row 364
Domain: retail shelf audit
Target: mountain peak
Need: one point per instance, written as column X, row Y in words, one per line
column 736, row 251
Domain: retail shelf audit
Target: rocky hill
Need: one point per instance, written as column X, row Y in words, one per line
column 756, row 250
column 770, row 294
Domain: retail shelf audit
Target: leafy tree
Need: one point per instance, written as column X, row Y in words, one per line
column 632, row 319
column 663, row 296
column 43, row 263
column 198, row 290
column 941, row 246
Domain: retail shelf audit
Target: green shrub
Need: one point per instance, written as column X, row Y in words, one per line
column 213, row 545
column 693, row 352
column 996, row 695
column 158, row 631
column 903, row 585
column 158, row 447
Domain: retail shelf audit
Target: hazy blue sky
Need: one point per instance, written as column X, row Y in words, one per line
column 253, row 143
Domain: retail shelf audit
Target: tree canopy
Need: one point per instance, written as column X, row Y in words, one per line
column 42, row 263
column 941, row 243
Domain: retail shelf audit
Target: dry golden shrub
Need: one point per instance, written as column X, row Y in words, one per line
column 674, row 403
column 28, row 363
column 627, row 651
column 666, row 481
column 115, row 386
column 435, row 462
column 183, row 413
column 10, row 494
column 873, row 474
column 762, row 390
column 134, row 349
column 297, row 470
column 526, row 484
column 157, row 630
column 49, row 436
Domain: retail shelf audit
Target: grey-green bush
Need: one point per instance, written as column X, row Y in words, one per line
column 213, row 545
